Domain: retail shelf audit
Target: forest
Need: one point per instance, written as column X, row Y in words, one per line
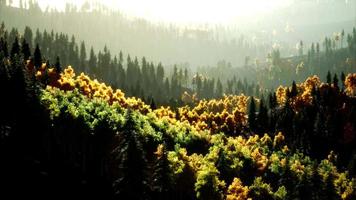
column 77, row 123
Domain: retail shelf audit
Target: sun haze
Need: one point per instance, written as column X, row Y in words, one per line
column 184, row 11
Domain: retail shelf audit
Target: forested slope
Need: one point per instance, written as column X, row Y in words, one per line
column 68, row 135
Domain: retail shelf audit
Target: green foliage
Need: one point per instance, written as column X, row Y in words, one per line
column 208, row 185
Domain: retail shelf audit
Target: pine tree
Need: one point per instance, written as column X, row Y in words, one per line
column 343, row 77
column 294, row 91
column 219, row 89
column 272, row 100
column 252, row 114
column 37, row 57
column 262, row 118
column 25, row 49
column 28, row 36
column 301, row 48
column 162, row 183
column 130, row 156
column 153, row 104
column 92, row 62
column 3, row 47
column 336, row 81
column 15, row 50
column 58, row 65
column 328, row 78
column 83, row 57
column 186, row 77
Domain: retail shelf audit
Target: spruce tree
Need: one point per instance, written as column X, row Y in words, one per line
column 15, row 49
column 219, row 89
column 328, row 78
column 153, row 104
column 130, row 156
column 294, row 91
column 37, row 57
column 343, row 77
column 262, row 118
column 25, row 49
column 252, row 114
column 58, row 65
column 162, row 183
column 3, row 47
column 336, row 81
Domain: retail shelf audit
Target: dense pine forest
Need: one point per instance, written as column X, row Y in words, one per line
column 81, row 123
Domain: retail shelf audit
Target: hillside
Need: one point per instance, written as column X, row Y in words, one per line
column 71, row 136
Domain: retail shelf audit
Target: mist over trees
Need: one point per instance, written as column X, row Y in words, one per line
column 80, row 121
column 165, row 43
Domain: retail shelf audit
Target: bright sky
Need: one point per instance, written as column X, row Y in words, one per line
column 186, row 11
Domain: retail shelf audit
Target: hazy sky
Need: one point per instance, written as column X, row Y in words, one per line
column 186, row 11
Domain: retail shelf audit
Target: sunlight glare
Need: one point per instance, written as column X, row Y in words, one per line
column 185, row 11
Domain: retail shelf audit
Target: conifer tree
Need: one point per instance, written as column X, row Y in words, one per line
column 37, row 57
column 252, row 114
column 336, row 81
column 130, row 156
column 15, row 50
column 219, row 89
column 328, row 78
column 162, row 183
column 25, row 49
column 294, row 91
column 58, row 66
column 262, row 118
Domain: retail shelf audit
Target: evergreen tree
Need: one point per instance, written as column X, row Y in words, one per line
column 252, row 114
column 294, row 91
column 130, row 156
column 343, row 77
column 162, row 183
column 58, row 65
column 25, row 49
column 15, row 50
column 153, row 104
column 83, row 57
column 28, row 36
column 301, row 48
column 92, row 62
column 328, row 78
column 3, row 47
column 272, row 100
column 262, row 118
column 37, row 57
column 336, row 81
column 186, row 77
column 219, row 89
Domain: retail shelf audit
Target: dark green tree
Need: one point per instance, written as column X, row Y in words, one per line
column 28, row 36
column 58, row 66
column 15, row 49
column 25, row 49
column 83, row 57
column 92, row 62
column 262, row 118
column 343, row 77
column 252, row 114
column 328, row 78
column 219, row 89
column 37, row 57
column 3, row 47
column 162, row 182
column 132, row 164
column 294, row 90
column 336, row 81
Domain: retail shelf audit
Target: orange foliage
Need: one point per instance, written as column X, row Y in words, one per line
column 68, row 81
column 226, row 114
column 350, row 84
